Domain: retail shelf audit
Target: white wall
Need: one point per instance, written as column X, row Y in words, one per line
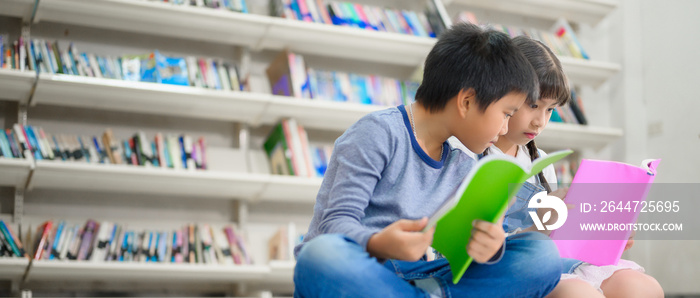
column 668, row 76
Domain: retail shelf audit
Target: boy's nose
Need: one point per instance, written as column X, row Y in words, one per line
column 504, row 128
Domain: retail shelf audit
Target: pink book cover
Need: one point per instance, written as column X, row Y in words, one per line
column 605, row 194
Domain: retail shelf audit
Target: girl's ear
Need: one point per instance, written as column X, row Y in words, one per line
column 466, row 101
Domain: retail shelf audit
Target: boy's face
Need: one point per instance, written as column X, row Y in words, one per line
column 530, row 120
column 478, row 130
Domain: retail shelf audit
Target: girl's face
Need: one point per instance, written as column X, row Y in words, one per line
column 529, row 121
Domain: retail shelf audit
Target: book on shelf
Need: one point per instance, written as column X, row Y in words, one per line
column 164, row 151
column 281, row 244
column 230, row 5
column 561, row 39
column 155, row 67
column 10, row 242
column 288, row 76
column 367, row 17
column 100, row 242
column 289, row 152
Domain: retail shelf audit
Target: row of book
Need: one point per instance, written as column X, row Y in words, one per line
column 46, row 57
column 112, row 242
column 233, row 5
column 10, row 242
column 281, row 244
column 289, row 152
column 571, row 112
column 561, row 38
column 367, row 17
column 289, row 76
column 171, row 151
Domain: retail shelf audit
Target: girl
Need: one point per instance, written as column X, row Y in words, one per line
column 579, row 279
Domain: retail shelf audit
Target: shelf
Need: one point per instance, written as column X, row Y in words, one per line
column 12, row 268
column 150, row 98
column 139, row 179
column 16, row 85
column 281, row 271
column 85, row 270
column 14, row 172
column 326, row 115
column 347, row 42
column 291, row 189
column 583, row 11
column 588, row 72
column 183, row 101
column 147, row 17
column 227, row 27
column 145, row 180
column 560, row 135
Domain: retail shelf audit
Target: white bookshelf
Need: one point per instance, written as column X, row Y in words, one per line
column 13, row 268
column 14, row 172
column 563, row 135
column 588, row 72
column 281, row 271
column 265, row 32
column 152, row 272
column 258, row 32
column 586, row 11
column 247, row 107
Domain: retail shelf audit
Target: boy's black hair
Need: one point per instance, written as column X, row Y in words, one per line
column 466, row 56
column 551, row 77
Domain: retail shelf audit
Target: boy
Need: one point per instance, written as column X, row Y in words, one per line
column 393, row 168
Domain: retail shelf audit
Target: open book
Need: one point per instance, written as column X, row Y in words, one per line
column 484, row 194
column 604, row 193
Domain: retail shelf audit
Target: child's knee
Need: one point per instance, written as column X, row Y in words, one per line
column 574, row 288
column 539, row 258
column 631, row 283
column 321, row 251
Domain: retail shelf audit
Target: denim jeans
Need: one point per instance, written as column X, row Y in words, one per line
column 332, row 265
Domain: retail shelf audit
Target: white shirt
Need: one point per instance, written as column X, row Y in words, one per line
column 523, row 156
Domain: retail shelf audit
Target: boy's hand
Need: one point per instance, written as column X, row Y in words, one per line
column 401, row 240
column 487, row 239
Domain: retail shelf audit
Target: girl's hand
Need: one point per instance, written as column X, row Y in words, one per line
column 487, row 239
column 401, row 240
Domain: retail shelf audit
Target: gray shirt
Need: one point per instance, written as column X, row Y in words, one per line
column 379, row 174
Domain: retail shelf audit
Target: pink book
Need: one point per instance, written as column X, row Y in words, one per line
column 607, row 197
column 305, row 13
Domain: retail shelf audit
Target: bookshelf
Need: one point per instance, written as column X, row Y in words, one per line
column 587, row 11
column 257, row 109
column 248, row 107
column 14, row 172
column 151, row 272
column 132, row 179
column 13, row 268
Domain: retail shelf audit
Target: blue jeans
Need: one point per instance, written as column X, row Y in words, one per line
column 334, row 266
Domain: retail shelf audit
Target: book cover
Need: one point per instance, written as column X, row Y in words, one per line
column 596, row 181
column 484, row 194
column 278, row 152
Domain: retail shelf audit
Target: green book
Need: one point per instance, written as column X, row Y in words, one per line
column 484, row 194
column 278, row 152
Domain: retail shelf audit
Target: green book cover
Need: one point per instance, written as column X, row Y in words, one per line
column 484, row 194
column 277, row 149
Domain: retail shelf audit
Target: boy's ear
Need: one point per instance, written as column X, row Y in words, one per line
column 466, row 100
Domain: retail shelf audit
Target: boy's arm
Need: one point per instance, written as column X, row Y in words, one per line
column 360, row 155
